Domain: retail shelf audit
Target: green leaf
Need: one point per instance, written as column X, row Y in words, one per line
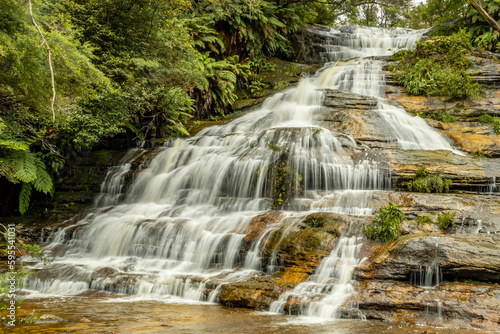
column 43, row 181
column 24, row 166
column 24, row 197
column 14, row 144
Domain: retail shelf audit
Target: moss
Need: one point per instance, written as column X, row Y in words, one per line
column 306, row 242
column 442, row 117
column 423, row 220
column 284, row 181
column 314, row 222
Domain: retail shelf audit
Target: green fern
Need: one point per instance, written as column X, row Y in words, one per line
column 43, row 181
column 24, row 165
column 24, row 197
column 13, row 145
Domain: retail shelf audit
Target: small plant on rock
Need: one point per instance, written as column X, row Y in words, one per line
column 314, row 222
column 420, row 220
column 445, row 221
column 486, row 119
column 423, row 182
column 386, row 224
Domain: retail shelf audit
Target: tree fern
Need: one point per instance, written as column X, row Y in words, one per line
column 24, row 165
column 24, row 197
column 43, row 181
column 13, row 144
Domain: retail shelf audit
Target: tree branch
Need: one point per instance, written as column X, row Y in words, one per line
column 52, row 100
column 491, row 21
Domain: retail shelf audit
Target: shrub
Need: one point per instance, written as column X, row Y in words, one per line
column 386, row 224
column 438, row 67
column 486, row 119
column 496, row 125
column 425, row 183
column 445, row 221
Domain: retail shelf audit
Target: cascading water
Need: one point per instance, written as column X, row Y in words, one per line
column 364, row 76
column 185, row 216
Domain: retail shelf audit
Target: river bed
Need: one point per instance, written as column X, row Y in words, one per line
column 149, row 316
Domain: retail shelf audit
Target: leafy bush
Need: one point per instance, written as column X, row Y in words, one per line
column 438, row 67
column 486, row 119
column 445, row 221
column 496, row 125
column 494, row 121
column 423, row 182
column 386, row 224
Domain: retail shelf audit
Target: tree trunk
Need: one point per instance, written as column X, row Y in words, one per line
column 491, row 21
column 52, row 100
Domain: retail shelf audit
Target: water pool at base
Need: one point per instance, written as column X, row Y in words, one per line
column 147, row 316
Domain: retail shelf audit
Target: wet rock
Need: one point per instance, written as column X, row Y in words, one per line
column 468, row 134
column 456, row 305
column 257, row 292
column 104, row 272
column 48, row 319
column 466, row 172
column 350, row 116
column 459, row 257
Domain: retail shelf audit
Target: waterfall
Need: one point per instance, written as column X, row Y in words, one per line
column 347, row 49
column 323, row 294
column 179, row 230
column 184, row 217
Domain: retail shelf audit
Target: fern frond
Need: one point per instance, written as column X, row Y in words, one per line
column 6, row 169
column 24, row 165
column 24, row 197
column 43, row 181
column 13, row 144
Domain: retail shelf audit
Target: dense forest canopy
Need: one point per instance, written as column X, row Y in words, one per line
column 143, row 68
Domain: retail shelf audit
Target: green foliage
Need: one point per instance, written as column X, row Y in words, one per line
column 496, row 125
column 482, row 34
column 386, row 224
column 314, row 222
column 494, row 121
column 442, row 117
column 284, row 182
column 423, row 182
column 445, row 221
column 34, row 251
column 274, row 147
column 486, row 119
column 438, row 67
column 438, row 13
column 423, row 220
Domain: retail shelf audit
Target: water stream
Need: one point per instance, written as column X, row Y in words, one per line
column 183, row 219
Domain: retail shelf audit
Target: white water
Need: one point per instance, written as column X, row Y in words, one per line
column 330, row 287
column 185, row 216
column 180, row 229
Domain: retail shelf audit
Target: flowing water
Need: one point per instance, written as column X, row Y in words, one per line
column 180, row 226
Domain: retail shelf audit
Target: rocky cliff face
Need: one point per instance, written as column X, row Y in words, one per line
column 449, row 279
column 427, row 276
